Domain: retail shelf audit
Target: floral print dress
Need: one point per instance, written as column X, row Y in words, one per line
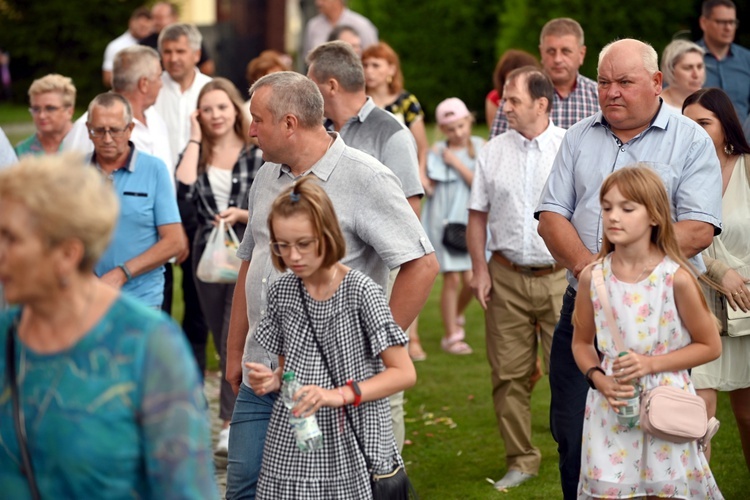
column 618, row 462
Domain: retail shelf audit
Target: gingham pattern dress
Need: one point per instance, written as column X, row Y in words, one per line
column 354, row 326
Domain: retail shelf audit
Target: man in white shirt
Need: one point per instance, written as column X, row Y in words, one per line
column 335, row 13
column 180, row 48
column 521, row 288
column 139, row 26
column 137, row 77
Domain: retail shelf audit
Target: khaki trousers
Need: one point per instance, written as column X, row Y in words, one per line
column 519, row 304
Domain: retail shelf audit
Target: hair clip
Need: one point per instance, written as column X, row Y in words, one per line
column 294, row 197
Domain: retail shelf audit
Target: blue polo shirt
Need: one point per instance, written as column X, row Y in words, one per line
column 731, row 74
column 147, row 201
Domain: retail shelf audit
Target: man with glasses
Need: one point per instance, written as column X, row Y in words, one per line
column 148, row 231
column 727, row 64
column 52, row 98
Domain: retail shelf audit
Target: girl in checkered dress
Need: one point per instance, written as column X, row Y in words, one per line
column 325, row 315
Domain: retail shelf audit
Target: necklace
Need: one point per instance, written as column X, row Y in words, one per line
column 329, row 288
column 649, row 266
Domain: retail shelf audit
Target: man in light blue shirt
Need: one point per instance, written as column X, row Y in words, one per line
column 632, row 126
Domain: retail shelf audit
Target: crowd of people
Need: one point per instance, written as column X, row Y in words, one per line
column 346, row 214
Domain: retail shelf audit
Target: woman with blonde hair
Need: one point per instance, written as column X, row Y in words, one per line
column 101, row 395
column 683, row 70
column 215, row 172
column 52, row 99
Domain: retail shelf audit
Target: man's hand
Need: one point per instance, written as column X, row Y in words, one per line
column 481, row 285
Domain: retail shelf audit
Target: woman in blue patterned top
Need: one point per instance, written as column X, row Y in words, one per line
column 108, row 398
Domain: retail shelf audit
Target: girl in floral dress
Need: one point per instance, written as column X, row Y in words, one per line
column 666, row 325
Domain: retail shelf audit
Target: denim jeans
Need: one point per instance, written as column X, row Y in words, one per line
column 569, row 390
column 246, row 439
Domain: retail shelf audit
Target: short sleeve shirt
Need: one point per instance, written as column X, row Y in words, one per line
column 147, row 201
column 380, row 228
column 675, row 147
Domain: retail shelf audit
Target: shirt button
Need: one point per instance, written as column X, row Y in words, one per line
column 263, row 280
column 622, row 149
column 262, row 312
column 235, row 180
column 422, row 239
column 600, row 241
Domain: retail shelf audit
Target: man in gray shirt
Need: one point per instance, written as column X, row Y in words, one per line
column 337, row 71
column 381, row 232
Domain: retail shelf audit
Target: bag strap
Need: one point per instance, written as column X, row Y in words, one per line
column 10, row 370
column 302, row 297
column 601, row 292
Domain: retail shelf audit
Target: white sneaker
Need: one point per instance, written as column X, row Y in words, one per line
column 512, row 479
column 222, row 445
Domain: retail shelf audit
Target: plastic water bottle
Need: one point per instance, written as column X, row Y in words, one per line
column 306, row 430
column 630, row 414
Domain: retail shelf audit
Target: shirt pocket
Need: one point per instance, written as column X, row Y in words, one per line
column 666, row 173
column 137, row 206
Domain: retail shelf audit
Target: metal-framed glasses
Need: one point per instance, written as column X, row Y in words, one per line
column 727, row 23
column 114, row 133
column 35, row 110
column 303, row 247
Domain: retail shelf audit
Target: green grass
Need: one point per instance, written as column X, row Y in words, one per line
column 452, row 463
column 14, row 113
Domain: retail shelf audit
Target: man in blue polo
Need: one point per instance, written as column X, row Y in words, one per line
column 727, row 64
column 149, row 231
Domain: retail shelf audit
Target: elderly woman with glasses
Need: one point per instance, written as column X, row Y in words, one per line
column 52, row 99
column 99, row 395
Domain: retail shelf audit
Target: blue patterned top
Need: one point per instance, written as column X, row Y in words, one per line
column 120, row 414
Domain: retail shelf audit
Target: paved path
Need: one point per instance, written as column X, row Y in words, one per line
column 212, row 394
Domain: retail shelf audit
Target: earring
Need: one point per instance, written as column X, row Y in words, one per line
column 729, row 149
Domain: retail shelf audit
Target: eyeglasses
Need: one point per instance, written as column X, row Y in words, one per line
column 35, row 110
column 727, row 23
column 114, row 133
column 302, row 246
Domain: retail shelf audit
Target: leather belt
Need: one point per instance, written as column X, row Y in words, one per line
column 535, row 271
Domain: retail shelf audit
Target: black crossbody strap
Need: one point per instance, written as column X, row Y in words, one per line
column 10, row 371
column 330, row 373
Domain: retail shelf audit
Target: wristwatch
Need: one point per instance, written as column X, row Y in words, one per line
column 126, row 271
column 588, row 375
column 357, row 393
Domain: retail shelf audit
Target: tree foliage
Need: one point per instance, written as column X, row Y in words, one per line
column 61, row 36
column 449, row 48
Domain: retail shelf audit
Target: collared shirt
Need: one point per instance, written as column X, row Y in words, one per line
column 379, row 134
column 318, row 30
column 147, row 201
column 675, row 147
column 175, row 107
column 153, row 139
column 582, row 102
column 731, row 74
column 510, row 175
column 7, row 155
column 202, row 194
column 380, row 228
column 121, row 42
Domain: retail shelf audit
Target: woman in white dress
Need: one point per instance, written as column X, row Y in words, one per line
column 728, row 258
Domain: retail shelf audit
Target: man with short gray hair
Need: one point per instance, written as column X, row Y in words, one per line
column 381, row 231
column 633, row 126
column 148, row 231
column 136, row 75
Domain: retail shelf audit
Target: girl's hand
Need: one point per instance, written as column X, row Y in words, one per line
column 195, row 126
column 613, row 390
column 736, row 291
column 262, row 380
column 450, row 158
column 312, row 397
column 631, row 366
column 427, row 184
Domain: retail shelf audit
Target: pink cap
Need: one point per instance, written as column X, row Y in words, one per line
column 450, row 110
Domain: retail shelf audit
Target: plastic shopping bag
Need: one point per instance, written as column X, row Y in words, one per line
column 219, row 262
